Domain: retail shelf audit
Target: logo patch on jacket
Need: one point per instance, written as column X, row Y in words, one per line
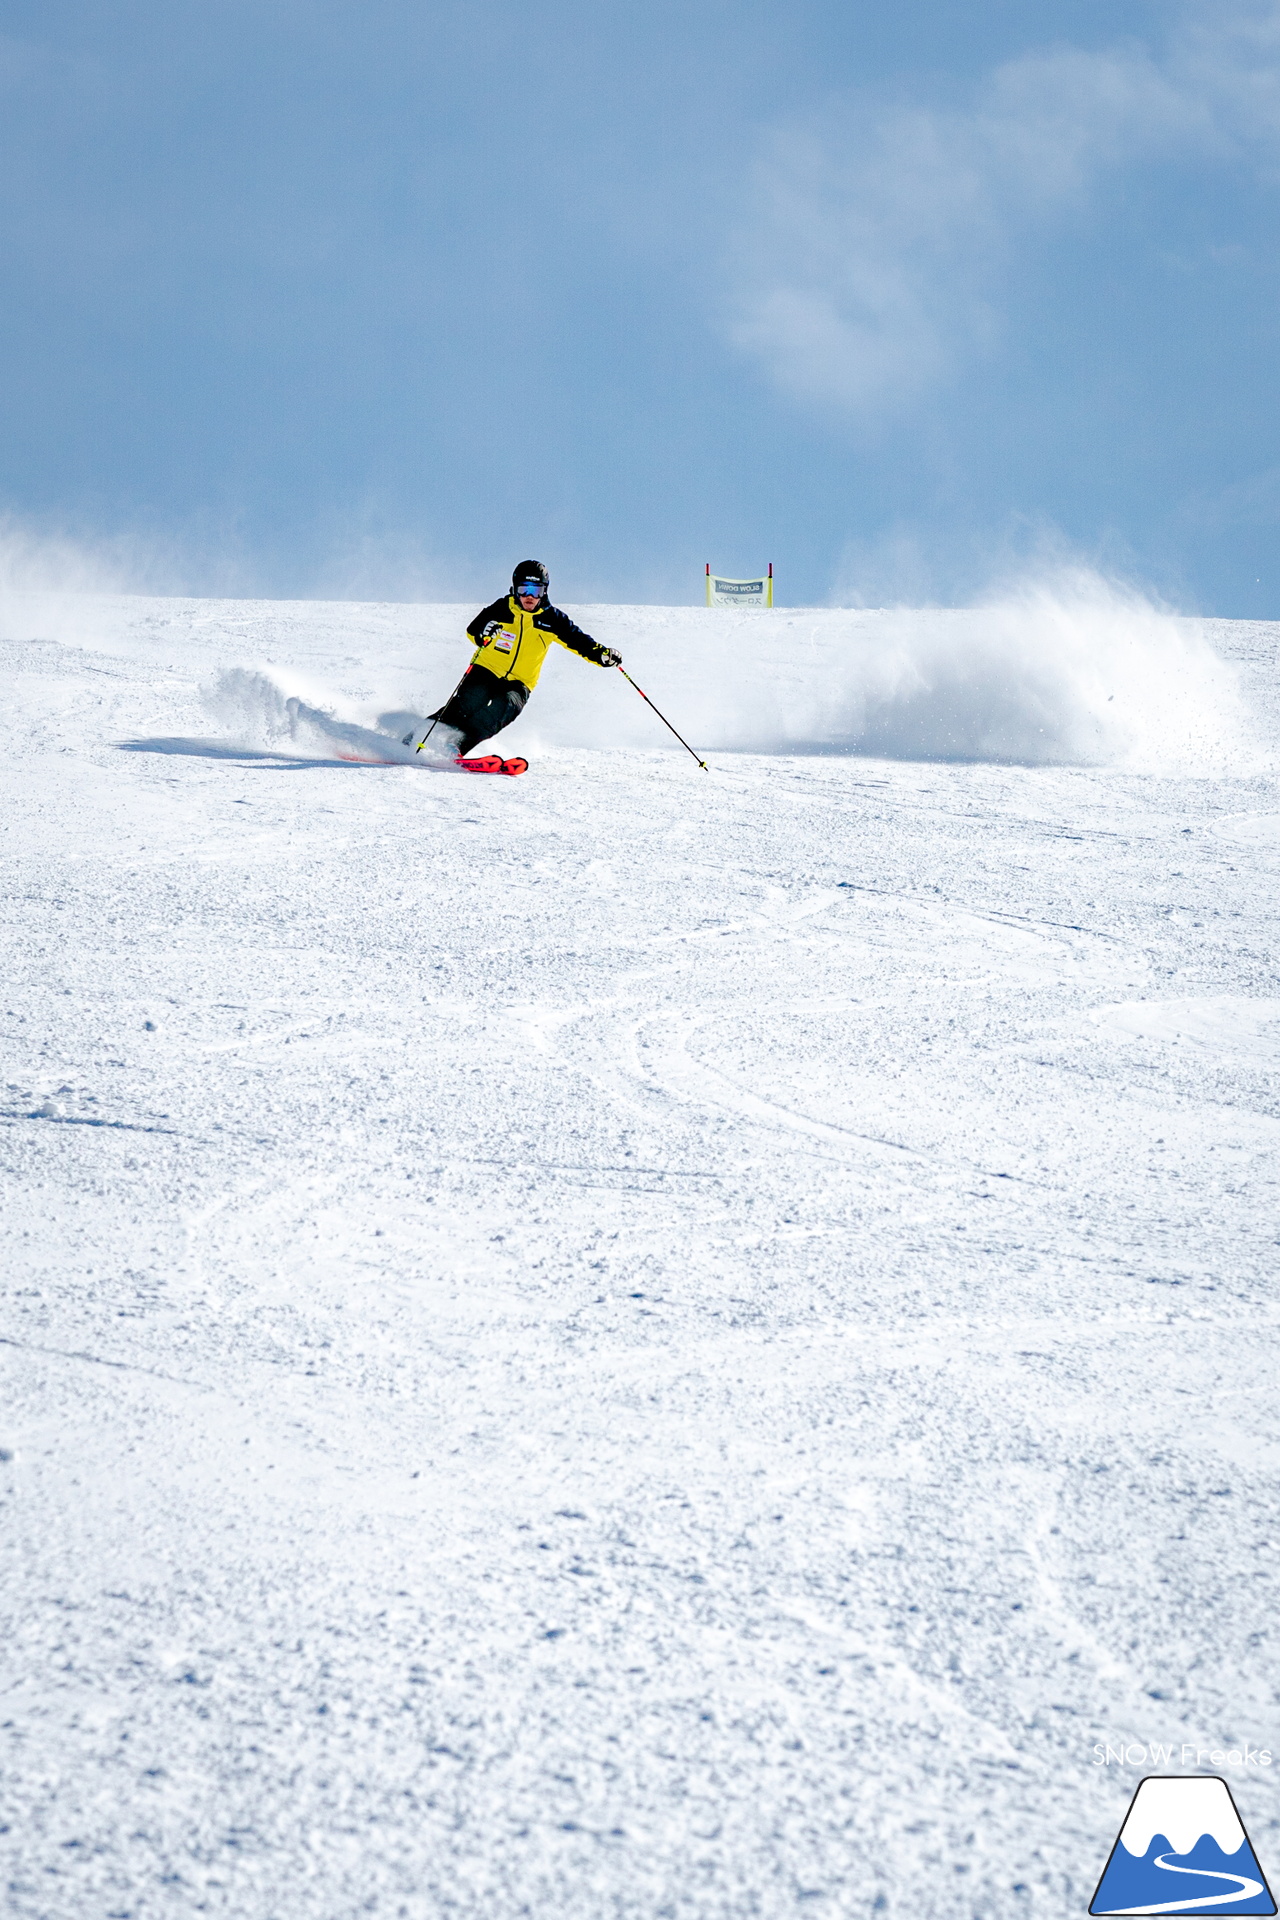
column 503, row 642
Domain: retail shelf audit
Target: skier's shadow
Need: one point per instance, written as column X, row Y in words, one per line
column 219, row 750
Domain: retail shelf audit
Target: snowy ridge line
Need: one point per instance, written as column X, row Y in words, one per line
column 779, row 923
column 1075, row 672
column 91, row 1120
column 675, row 1076
column 734, row 1099
column 907, row 1349
column 99, row 1360
column 520, row 1165
column 1016, row 920
column 1222, row 1024
column 649, row 1079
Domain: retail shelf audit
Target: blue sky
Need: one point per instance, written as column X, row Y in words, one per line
column 376, row 298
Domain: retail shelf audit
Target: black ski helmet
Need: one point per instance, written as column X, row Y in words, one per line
column 530, row 570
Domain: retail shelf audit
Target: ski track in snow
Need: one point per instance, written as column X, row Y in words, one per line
column 626, row 1342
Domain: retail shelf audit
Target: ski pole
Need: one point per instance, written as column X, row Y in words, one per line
column 662, row 716
column 436, row 722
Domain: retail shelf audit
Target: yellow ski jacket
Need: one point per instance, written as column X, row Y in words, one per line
column 513, row 644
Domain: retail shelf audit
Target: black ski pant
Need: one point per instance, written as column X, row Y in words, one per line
column 482, row 706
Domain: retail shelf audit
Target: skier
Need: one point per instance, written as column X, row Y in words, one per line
column 512, row 636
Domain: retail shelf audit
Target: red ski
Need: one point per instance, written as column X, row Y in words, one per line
column 487, row 763
column 492, row 763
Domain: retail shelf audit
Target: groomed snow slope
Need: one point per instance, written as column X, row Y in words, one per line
column 633, row 1342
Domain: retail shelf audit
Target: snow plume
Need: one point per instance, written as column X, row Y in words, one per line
column 259, row 715
column 38, row 563
column 80, row 589
column 46, row 578
column 1065, row 670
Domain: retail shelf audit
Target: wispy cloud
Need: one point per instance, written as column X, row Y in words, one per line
column 887, row 231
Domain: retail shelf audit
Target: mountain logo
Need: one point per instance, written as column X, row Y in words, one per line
column 1182, row 1850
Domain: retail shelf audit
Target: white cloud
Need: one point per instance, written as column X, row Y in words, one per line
column 871, row 265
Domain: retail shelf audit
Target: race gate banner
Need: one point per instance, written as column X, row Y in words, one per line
column 739, row 593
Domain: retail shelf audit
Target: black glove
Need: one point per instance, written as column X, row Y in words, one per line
column 494, row 626
column 608, row 658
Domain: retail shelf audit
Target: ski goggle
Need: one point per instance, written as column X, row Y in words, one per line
column 533, row 587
